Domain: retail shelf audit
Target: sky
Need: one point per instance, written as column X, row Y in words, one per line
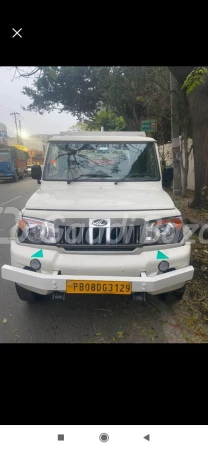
column 12, row 99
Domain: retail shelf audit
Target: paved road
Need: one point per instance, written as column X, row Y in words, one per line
column 87, row 319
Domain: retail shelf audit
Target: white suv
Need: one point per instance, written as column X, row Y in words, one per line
column 99, row 224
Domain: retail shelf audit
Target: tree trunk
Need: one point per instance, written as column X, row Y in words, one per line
column 198, row 105
column 137, row 120
column 175, row 136
column 128, row 121
column 184, row 159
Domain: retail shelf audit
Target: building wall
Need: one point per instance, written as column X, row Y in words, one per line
column 168, row 154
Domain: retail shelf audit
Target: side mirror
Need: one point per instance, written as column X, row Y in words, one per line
column 167, row 176
column 36, row 173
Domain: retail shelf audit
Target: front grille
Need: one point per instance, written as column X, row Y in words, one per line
column 98, row 238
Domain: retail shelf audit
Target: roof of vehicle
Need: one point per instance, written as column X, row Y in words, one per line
column 104, row 136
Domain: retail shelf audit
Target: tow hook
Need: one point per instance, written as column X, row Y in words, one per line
column 139, row 297
column 59, row 296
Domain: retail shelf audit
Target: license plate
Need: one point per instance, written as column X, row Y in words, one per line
column 98, row 287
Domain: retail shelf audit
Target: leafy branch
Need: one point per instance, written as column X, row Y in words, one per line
column 194, row 79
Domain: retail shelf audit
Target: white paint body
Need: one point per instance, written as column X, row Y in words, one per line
column 100, row 200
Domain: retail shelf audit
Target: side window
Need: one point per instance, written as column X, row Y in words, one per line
column 51, row 166
column 54, row 152
column 56, row 164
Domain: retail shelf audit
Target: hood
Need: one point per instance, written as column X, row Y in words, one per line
column 94, row 196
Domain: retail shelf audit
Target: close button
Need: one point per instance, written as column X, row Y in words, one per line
column 17, row 33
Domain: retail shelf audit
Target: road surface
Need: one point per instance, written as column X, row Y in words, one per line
column 86, row 319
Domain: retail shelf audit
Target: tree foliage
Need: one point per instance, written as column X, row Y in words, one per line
column 133, row 93
column 108, row 120
column 79, row 126
column 194, row 79
column 69, row 89
column 105, row 118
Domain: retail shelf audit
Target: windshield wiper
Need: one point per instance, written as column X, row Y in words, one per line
column 133, row 175
column 92, row 175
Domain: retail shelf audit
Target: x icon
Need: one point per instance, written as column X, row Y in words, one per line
column 17, row 33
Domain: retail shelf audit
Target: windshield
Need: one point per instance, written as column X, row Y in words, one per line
column 101, row 161
column 4, row 156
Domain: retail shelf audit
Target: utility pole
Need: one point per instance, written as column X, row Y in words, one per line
column 175, row 135
column 16, row 114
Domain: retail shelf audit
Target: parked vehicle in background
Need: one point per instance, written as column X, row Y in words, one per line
column 28, row 170
column 13, row 162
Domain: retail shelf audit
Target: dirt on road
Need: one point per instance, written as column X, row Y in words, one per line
column 91, row 319
column 191, row 313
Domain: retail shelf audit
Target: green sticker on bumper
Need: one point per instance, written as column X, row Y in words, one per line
column 38, row 254
column 161, row 255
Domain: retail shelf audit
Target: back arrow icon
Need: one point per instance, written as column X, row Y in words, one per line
column 147, row 437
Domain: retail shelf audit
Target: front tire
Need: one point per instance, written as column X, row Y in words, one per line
column 25, row 295
column 173, row 296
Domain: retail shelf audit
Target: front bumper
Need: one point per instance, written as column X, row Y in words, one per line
column 54, row 282
column 4, row 176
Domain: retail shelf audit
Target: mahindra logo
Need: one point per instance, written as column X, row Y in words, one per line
column 100, row 223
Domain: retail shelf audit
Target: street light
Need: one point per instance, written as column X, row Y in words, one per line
column 24, row 134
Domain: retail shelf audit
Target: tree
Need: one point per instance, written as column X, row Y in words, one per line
column 136, row 93
column 175, row 132
column 185, row 131
column 79, row 126
column 108, row 120
column 133, row 93
column 70, row 89
column 195, row 84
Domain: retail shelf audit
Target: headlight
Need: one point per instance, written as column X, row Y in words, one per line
column 164, row 231
column 36, row 231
